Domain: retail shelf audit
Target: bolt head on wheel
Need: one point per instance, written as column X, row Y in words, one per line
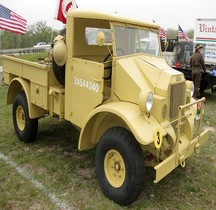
column 114, row 168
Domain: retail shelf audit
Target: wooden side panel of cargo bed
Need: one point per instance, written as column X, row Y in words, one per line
column 31, row 71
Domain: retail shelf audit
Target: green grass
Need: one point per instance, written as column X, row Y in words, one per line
column 34, row 57
column 54, row 160
column 31, row 57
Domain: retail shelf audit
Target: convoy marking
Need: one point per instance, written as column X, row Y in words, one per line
column 86, row 84
column 38, row 185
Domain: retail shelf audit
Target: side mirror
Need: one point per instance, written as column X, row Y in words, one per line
column 100, row 38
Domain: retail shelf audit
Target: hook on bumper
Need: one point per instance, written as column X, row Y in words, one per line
column 170, row 163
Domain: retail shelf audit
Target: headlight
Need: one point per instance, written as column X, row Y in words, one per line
column 146, row 101
column 149, row 102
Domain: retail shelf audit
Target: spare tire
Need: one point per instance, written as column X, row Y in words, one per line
column 59, row 72
column 59, row 58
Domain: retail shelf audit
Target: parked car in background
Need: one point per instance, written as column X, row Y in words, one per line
column 41, row 45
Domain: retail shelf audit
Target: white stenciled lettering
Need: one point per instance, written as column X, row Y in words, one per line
column 86, row 84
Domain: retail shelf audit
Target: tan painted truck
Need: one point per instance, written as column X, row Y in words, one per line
column 107, row 77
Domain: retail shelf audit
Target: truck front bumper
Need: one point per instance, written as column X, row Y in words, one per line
column 182, row 153
column 179, row 158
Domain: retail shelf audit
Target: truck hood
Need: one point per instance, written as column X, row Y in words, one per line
column 143, row 72
column 155, row 69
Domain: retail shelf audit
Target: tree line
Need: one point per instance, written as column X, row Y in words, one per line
column 173, row 33
column 40, row 32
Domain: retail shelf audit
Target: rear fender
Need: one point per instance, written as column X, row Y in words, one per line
column 121, row 114
column 15, row 87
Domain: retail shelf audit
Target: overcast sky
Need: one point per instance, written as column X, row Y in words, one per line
column 167, row 13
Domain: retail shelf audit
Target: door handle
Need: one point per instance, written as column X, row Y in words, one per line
column 97, row 80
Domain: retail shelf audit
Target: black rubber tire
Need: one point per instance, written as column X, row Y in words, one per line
column 59, row 72
column 29, row 133
column 123, row 141
column 203, row 85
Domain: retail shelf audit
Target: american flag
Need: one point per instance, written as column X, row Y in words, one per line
column 11, row 21
column 182, row 34
column 162, row 33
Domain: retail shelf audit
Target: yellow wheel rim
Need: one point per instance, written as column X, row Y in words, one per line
column 114, row 168
column 20, row 118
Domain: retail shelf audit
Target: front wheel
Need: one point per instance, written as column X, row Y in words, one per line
column 120, row 166
column 26, row 128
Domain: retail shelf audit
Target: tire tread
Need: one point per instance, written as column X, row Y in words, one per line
column 30, row 131
column 134, row 152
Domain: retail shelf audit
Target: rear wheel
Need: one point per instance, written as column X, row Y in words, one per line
column 120, row 166
column 26, row 128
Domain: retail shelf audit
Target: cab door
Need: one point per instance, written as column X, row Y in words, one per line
column 84, row 89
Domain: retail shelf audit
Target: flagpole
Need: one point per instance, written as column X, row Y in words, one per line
column 52, row 31
column 55, row 12
column 0, row 39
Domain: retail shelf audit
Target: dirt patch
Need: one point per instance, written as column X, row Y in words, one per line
column 212, row 129
column 88, row 173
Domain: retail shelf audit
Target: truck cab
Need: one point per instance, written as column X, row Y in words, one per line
column 119, row 92
column 94, row 64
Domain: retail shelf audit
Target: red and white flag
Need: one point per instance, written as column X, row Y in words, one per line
column 11, row 21
column 62, row 8
column 162, row 33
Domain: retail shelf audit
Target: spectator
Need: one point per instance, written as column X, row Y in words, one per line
column 198, row 67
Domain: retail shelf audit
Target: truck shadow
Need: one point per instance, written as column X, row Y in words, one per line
column 61, row 139
column 53, row 132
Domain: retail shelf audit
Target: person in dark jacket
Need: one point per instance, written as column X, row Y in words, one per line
column 198, row 67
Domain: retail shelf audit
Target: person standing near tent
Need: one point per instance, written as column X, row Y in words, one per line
column 198, row 67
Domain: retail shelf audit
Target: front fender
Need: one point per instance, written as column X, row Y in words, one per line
column 122, row 114
column 18, row 84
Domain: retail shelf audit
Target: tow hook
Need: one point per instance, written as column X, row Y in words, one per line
column 182, row 161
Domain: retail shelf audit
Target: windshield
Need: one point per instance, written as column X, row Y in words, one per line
column 133, row 40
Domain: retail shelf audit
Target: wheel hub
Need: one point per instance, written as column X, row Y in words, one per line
column 117, row 166
column 20, row 118
column 114, row 168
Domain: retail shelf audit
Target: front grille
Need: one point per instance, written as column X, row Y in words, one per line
column 176, row 99
column 175, row 123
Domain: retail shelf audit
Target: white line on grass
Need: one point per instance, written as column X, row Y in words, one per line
column 53, row 197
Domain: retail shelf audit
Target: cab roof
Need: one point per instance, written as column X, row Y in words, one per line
column 91, row 14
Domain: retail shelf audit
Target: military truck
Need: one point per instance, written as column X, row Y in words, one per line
column 178, row 55
column 124, row 98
